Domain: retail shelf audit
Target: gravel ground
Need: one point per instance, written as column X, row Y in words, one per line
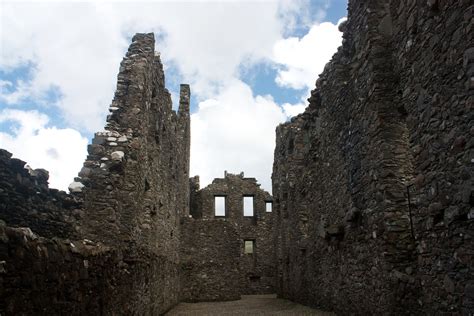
column 249, row 305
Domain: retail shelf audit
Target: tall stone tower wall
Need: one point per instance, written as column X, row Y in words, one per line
column 119, row 228
column 135, row 181
column 373, row 182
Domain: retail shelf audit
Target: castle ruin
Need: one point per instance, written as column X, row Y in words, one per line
column 247, row 210
column 373, row 194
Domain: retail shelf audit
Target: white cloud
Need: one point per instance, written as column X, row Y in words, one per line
column 77, row 47
column 70, row 51
column 302, row 14
column 293, row 109
column 60, row 151
column 301, row 60
column 235, row 131
column 12, row 93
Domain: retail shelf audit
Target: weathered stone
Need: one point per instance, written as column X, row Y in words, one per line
column 470, row 215
column 419, row 180
column 450, row 214
column 76, row 187
column 126, row 243
column 41, row 174
column 210, row 253
column 342, row 26
column 393, row 142
column 448, row 284
column 131, row 265
column 95, row 149
column 435, row 207
column 256, row 269
column 122, row 139
column 26, row 200
column 469, row 290
column 85, row 172
column 432, row 4
column 385, row 26
column 459, row 143
column 117, row 155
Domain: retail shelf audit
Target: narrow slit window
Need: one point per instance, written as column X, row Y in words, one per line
column 268, row 207
column 249, row 246
column 219, row 205
column 248, row 205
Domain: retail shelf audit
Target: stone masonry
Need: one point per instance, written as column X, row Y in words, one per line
column 256, row 269
column 26, row 200
column 109, row 247
column 209, row 261
column 373, row 183
column 373, row 194
column 123, row 241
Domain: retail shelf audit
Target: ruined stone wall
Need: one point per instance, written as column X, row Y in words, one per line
column 136, row 173
column 194, row 197
column 209, row 254
column 26, row 200
column 129, row 198
column 42, row 276
column 257, row 274
column 393, row 108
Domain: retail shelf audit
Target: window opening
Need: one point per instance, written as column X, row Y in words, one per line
column 249, row 246
column 248, row 205
column 268, row 207
column 219, row 205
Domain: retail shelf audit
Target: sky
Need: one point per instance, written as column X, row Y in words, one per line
column 250, row 64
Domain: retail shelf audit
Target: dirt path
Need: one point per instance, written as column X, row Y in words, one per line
column 249, row 305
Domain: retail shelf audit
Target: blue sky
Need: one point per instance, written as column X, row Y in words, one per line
column 250, row 65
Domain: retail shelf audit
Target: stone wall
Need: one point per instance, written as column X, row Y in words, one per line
column 194, row 197
column 210, row 253
column 26, row 200
column 437, row 90
column 256, row 270
column 41, row 276
column 391, row 116
column 127, row 175
column 136, row 174
column 127, row 202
